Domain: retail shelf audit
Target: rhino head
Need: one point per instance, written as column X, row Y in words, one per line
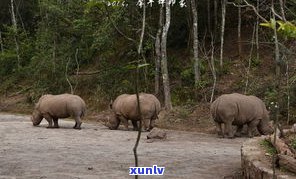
column 36, row 118
column 265, row 127
column 113, row 122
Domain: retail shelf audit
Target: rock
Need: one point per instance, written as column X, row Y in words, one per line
column 157, row 133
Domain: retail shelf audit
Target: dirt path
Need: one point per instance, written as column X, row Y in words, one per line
column 97, row 152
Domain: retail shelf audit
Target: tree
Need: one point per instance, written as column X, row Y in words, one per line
column 164, row 66
column 223, row 11
column 158, row 52
column 14, row 25
column 195, row 42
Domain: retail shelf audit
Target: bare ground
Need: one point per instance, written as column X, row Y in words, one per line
column 97, row 152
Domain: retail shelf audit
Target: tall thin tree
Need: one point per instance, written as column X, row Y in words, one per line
column 209, row 16
column 215, row 18
column 239, row 27
column 223, row 13
column 257, row 32
column 164, row 65
column 14, row 25
column 282, row 6
column 140, row 49
column 1, row 43
column 158, row 51
column 212, row 67
column 277, row 60
column 195, row 42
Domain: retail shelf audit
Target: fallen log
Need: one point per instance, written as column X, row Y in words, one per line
column 290, row 131
column 280, row 146
column 287, row 162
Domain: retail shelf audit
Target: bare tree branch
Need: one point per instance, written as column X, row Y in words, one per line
column 140, row 48
column 117, row 29
column 249, row 5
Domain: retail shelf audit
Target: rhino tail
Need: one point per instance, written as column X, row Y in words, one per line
column 156, row 110
column 215, row 107
column 83, row 112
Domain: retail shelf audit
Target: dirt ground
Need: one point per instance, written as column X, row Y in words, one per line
column 97, row 152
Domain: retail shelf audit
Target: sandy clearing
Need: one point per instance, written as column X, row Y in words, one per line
column 97, row 152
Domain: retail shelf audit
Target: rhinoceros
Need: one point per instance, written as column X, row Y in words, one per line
column 53, row 107
column 125, row 108
column 237, row 109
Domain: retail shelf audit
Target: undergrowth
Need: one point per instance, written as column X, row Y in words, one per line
column 269, row 148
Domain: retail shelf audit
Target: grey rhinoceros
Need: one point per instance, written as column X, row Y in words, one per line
column 237, row 109
column 125, row 108
column 53, row 107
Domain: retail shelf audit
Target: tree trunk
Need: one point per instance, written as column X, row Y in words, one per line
column 164, row 67
column 195, row 42
column 209, row 15
column 277, row 78
column 213, row 69
column 250, row 60
column 222, row 31
column 54, row 56
column 288, row 91
column 67, row 78
column 158, row 52
column 1, row 43
column 14, row 24
column 140, row 49
column 239, row 27
column 77, row 68
column 282, row 5
column 216, row 19
column 257, row 32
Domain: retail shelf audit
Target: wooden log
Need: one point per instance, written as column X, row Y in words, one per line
column 280, row 145
column 287, row 162
column 290, row 131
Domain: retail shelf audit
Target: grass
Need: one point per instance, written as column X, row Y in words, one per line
column 293, row 143
column 268, row 147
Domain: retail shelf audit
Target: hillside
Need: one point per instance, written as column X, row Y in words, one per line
column 91, row 49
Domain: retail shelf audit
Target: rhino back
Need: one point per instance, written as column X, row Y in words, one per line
column 126, row 105
column 152, row 102
column 240, row 107
column 62, row 106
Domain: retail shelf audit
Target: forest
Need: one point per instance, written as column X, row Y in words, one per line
column 186, row 52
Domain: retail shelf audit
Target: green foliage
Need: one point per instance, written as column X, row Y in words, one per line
column 271, row 98
column 8, row 62
column 187, row 76
column 255, row 62
column 286, row 28
column 268, row 147
column 293, row 143
column 57, row 35
column 183, row 95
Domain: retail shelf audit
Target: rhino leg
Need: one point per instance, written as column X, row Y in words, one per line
column 77, row 123
column 55, row 123
column 238, row 132
column 152, row 124
column 228, row 129
column 146, row 124
column 135, row 125
column 124, row 122
column 49, row 120
column 252, row 126
column 219, row 129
